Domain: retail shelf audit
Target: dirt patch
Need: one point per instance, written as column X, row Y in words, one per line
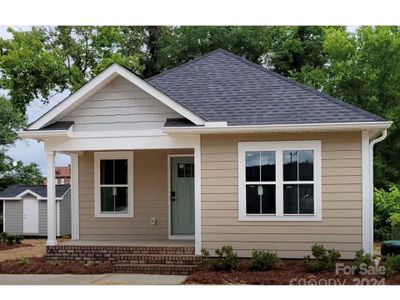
column 30, row 248
column 6, row 246
column 286, row 273
column 39, row 265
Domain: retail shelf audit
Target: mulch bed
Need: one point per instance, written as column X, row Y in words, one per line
column 287, row 272
column 40, row 265
column 6, row 246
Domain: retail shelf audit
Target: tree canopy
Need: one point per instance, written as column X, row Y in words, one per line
column 362, row 67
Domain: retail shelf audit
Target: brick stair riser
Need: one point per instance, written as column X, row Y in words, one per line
column 168, row 260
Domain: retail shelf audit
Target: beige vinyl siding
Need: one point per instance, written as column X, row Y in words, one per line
column 340, row 227
column 150, row 200
column 120, row 105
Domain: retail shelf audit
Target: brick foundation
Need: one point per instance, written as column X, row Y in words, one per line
column 131, row 259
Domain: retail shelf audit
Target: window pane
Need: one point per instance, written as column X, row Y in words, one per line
column 290, row 199
column 306, row 165
column 253, row 166
column 121, row 171
column 260, row 199
column 290, row 165
column 306, row 194
column 268, row 199
column 107, row 199
column 114, row 199
column 253, row 205
column 106, row 171
column 268, row 166
column 121, row 200
column 188, row 170
column 181, row 170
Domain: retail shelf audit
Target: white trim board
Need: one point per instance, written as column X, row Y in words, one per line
column 170, row 235
column 99, row 82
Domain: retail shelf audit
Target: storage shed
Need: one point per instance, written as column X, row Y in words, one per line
column 25, row 209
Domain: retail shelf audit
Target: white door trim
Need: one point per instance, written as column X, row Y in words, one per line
column 35, row 223
column 170, row 235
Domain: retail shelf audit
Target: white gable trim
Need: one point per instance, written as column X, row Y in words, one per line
column 99, row 82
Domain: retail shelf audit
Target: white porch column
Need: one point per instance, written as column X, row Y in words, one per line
column 74, row 196
column 197, row 197
column 51, row 200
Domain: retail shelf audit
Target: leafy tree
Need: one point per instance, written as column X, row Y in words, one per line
column 363, row 68
column 386, row 212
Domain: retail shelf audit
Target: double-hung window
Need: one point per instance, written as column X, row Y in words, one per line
column 279, row 181
column 113, row 184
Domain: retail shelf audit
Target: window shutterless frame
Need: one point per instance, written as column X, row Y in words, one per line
column 279, row 147
column 98, row 156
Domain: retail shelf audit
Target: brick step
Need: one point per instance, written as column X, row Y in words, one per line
column 156, row 269
column 158, row 259
column 168, row 250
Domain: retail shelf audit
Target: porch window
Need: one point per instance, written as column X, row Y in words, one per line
column 114, row 184
column 280, row 181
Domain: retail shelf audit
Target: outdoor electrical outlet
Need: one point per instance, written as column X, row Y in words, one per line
column 153, row 221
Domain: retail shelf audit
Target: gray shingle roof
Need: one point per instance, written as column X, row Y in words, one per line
column 41, row 190
column 60, row 125
column 221, row 86
column 178, row 122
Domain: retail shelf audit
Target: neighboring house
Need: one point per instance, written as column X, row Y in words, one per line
column 219, row 151
column 63, row 175
column 25, row 209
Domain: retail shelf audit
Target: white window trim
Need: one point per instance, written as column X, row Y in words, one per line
column 279, row 147
column 97, row 203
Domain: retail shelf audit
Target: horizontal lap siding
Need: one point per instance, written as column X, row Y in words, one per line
column 340, row 227
column 120, row 105
column 150, row 200
column 13, row 216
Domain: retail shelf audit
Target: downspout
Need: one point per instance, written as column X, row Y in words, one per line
column 371, row 185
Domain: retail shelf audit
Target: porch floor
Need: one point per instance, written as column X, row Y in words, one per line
column 160, row 243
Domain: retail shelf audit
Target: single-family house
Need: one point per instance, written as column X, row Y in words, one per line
column 217, row 151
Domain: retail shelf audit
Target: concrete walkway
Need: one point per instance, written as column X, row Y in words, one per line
column 103, row 279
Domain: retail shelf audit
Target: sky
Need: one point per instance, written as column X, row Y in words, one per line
column 29, row 151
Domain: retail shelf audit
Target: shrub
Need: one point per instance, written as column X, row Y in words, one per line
column 386, row 212
column 226, row 259
column 362, row 260
column 392, row 264
column 10, row 239
column 321, row 259
column 24, row 260
column 206, row 261
column 3, row 237
column 262, row 261
column 19, row 238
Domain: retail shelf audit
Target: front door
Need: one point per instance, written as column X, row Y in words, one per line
column 31, row 216
column 182, row 196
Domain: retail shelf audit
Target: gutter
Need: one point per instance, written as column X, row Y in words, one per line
column 278, row 127
column 371, row 182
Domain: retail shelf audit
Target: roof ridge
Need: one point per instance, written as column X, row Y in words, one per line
column 190, row 61
column 304, row 87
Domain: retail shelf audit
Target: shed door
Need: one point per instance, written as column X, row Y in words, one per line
column 31, row 216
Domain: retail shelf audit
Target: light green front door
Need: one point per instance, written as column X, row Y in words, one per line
column 182, row 196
